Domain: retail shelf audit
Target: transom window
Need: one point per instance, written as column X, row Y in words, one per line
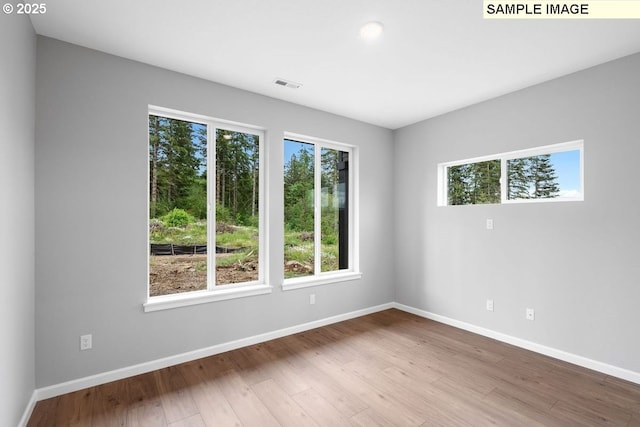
column 542, row 174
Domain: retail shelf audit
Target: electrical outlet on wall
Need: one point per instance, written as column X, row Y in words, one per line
column 530, row 314
column 490, row 304
column 312, row 299
column 86, row 342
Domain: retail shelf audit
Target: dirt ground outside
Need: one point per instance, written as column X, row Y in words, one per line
column 171, row 274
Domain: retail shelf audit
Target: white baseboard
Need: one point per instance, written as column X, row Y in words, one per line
column 105, row 377
column 28, row 410
column 118, row 374
column 595, row 365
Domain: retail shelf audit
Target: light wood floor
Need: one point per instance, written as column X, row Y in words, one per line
column 386, row 369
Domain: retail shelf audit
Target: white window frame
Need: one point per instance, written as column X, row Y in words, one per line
column 443, row 188
column 353, row 272
column 226, row 291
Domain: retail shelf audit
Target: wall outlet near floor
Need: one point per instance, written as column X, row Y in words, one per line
column 86, row 342
column 490, row 304
column 530, row 314
column 489, row 224
column 312, row 299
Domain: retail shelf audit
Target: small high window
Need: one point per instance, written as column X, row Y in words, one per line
column 549, row 173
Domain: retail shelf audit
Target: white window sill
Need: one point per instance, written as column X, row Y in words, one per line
column 166, row 302
column 323, row 279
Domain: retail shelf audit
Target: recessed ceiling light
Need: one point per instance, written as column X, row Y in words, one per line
column 371, row 30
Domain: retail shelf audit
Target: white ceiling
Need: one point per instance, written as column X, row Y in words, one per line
column 435, row 55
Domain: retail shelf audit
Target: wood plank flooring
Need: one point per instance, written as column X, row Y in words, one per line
column 386, row 369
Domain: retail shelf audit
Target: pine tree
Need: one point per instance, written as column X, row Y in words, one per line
column 518, row 179
column 254, row 175
column 181, row 162
column 298, row 190
column 154, row 154
column 237, row 174
column 543, row 177
column 485, row 182
column 459, row 178
column 178, row 171
column 175, row 163
column 329, row 178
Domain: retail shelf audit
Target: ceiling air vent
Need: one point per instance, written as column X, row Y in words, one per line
column 287, row 83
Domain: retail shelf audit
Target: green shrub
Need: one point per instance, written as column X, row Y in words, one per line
column 177, row 218
column 329, row 239
column 223, row 214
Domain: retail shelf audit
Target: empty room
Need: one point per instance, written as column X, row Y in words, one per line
column 327, row 213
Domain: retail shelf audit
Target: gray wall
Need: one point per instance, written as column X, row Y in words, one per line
column 575, row 263
column 17, row 109
column 91, row 192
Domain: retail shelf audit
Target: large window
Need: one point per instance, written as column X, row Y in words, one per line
column 318, row 211
column 205, row 205
column 549, row 173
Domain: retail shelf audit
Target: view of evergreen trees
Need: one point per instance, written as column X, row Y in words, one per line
column 331, row 197
column 532, row 178
column 237, row 167
column 474, row 183
column 299, row 219
column 177, row 167
column 478, row 183
column 298, row 191
column 178, row 171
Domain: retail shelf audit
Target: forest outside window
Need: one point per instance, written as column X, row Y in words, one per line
column 206, row 212
column 543, row 174
column 319, row 212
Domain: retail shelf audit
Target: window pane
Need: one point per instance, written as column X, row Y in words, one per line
column 334, row 210
column 298, row 209
column 474, row 183
column 545, row 176
column 237, row 213
column 177, row 206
